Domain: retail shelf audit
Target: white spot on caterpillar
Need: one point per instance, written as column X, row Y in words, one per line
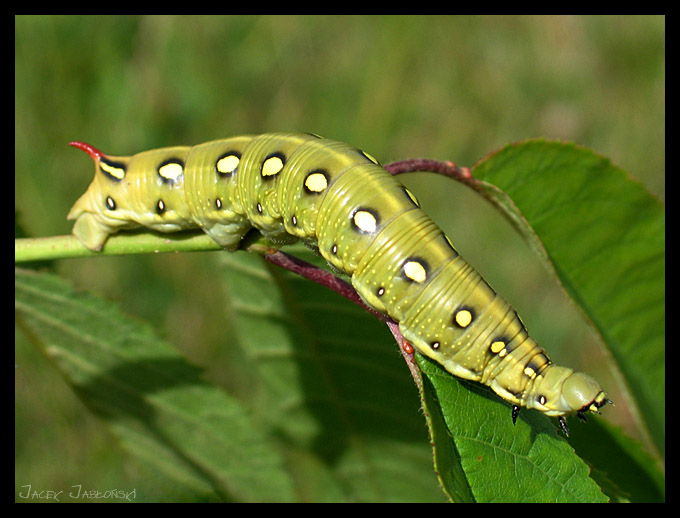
column 365, row 221
column 171, row 171
column 415, row 271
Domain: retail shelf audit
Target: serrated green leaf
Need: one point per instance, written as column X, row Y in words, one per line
column 163, row 413
column 604, row 235
column 495, row 460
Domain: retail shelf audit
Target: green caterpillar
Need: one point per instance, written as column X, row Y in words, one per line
column 363, row 221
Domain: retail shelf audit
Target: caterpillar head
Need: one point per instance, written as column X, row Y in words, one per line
column 562, row 391
column 581, row 393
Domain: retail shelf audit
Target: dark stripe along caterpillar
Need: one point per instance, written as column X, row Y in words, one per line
column 364, row 222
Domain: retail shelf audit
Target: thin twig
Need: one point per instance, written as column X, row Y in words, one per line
column 447, row 168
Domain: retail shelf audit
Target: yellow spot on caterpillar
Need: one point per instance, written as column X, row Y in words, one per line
column 369, row 157
column 498, row 347
column 413, row 197
column 171, row 171
column 272, row 166
column 365, row 221
column 316, row 182
column 116, row 172
column 463, row 317
column 227, row 164
column 528, row 371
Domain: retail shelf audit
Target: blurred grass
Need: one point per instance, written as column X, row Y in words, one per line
column 399, row 87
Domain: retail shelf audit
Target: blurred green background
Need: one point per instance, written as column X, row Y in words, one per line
column 453, row 88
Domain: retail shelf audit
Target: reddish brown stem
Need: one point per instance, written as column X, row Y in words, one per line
column 447, row 168
column 327, row 279
column 319, row 276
